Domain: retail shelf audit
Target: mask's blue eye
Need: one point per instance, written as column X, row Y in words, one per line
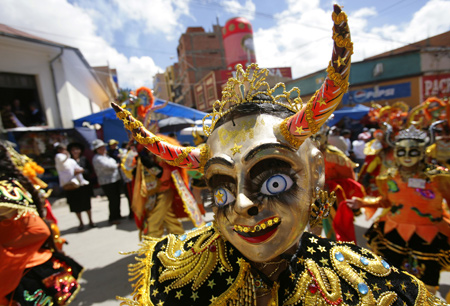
column 223, row 196
column 276, row 183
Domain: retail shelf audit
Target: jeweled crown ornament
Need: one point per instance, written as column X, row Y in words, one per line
column 414, row 134
column 411, row 133
column 245, row 88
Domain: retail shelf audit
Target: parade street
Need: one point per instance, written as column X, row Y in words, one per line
column 98, row 250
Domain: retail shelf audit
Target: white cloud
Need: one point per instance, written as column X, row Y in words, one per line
column 301, row 38
column 234, row 7
column 157, row 15
column 430, row 20
column 62, row 22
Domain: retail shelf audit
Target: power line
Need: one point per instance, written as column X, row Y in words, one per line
column 391, row 6
column 208, row 5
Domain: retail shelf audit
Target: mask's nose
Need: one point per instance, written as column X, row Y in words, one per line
column 245, row 207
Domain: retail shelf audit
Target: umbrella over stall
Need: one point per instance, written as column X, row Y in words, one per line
column 174, row 124
column 198, row 128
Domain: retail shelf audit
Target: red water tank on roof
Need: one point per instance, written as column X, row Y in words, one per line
column 238, row 42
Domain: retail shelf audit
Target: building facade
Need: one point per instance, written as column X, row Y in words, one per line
column 199, row 52
column 37, row 75
column 409, row 74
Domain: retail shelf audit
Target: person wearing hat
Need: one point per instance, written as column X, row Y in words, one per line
column 108, row 176
column 113, row 150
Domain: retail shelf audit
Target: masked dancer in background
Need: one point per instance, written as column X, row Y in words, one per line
column 379, row 155
column 160, row 193
column 266, row 179
column 412, row 234
column 32, row 270
column 158, row 201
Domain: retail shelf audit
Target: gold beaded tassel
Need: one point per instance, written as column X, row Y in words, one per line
column 274, row 299
column 246, row 295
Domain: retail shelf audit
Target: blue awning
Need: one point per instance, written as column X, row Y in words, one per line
column 355, row 112
column 172, row 110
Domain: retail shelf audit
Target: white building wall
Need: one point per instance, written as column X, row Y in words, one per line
column 78, row 92
column 22, row 58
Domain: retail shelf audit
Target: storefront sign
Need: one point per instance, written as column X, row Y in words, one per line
column 378, row 93
column 436, row 85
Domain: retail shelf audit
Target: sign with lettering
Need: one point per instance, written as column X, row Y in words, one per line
column 436, row 85
column 378, row 93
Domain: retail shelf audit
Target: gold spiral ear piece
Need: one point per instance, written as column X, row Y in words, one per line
column 320, row 208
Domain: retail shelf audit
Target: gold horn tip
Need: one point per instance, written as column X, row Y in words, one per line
column 116, row 107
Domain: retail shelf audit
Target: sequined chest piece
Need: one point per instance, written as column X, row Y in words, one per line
column 200, row 268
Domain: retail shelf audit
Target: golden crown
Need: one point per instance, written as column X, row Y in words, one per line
column 244, row 87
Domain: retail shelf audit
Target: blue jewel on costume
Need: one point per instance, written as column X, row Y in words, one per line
column 339, row 256
column 363, row 289
column 209, row 224
column 177, row 253
column 385, row 264
column 364, row 261
column 183, row 237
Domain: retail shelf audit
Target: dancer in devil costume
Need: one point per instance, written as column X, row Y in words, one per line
column 413, row 234
column 266, row 179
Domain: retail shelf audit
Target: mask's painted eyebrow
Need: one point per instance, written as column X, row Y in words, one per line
column 219, row 179
column 218, row 160
column 265, row 146
column 267, row 164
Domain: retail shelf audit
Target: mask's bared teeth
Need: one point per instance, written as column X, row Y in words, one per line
column 258, row 227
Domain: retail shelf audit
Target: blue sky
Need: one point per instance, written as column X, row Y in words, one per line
column 139, row 37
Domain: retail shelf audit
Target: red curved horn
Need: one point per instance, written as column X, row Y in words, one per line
column 184, row 157
column 322, row 104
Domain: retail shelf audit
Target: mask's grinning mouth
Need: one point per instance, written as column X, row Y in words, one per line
column 260, row 229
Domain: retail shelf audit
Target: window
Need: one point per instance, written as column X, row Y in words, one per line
column 210, row 93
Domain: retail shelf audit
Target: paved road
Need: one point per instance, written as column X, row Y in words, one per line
column 98, row 251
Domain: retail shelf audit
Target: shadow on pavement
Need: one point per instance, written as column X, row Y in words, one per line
column 103, row 284
column 125, row 225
